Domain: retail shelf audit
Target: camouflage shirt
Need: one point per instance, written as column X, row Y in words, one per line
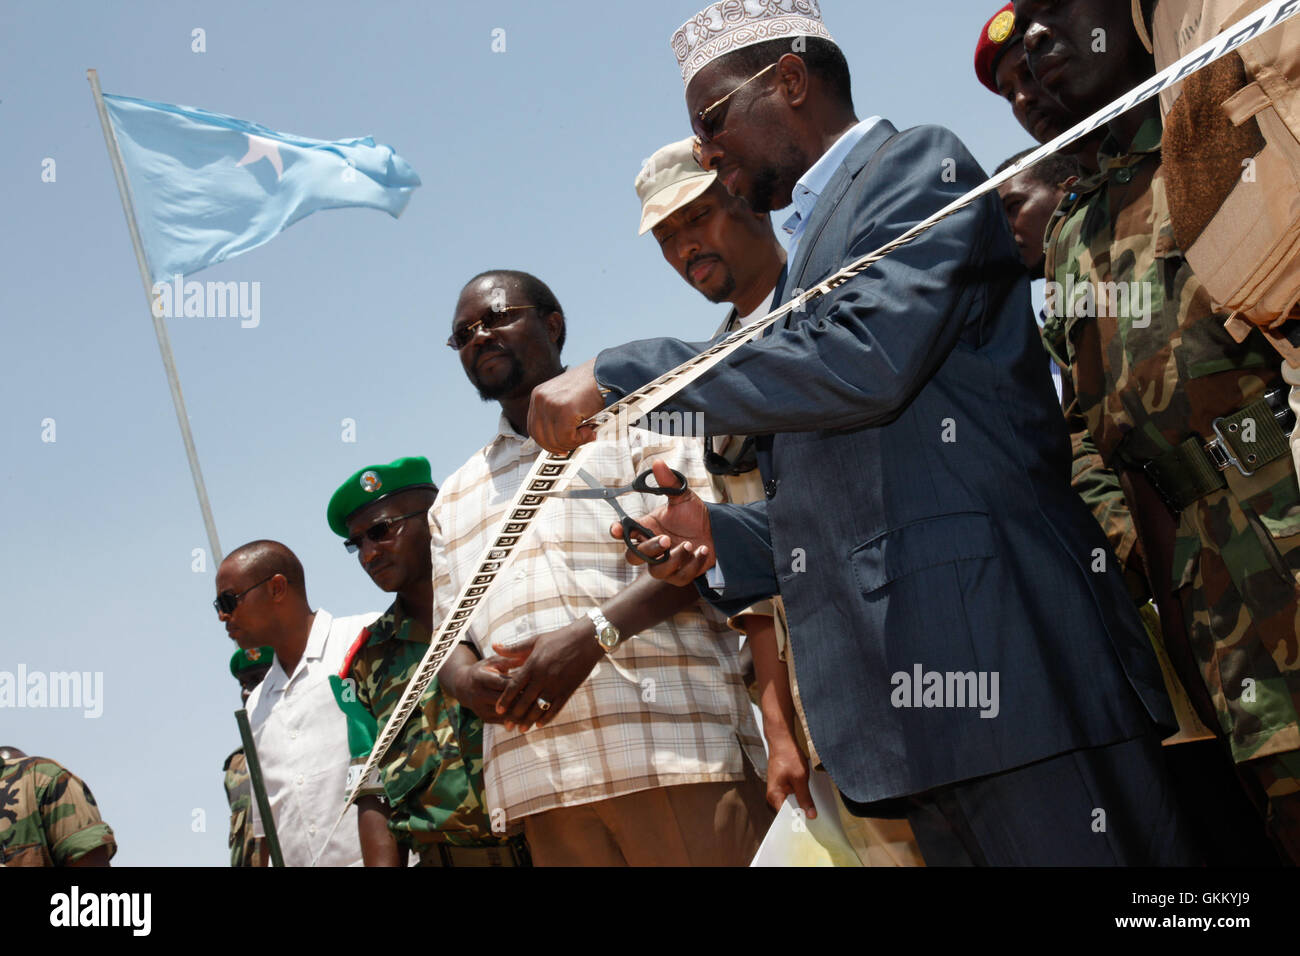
column 1100, row 490
column 433, row 773
column 47, row 815
column 1152, row 366
column 239, row 794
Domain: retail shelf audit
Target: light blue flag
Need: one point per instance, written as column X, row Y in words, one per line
column 208, row 187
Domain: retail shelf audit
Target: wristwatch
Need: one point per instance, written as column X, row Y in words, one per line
column 606, row 633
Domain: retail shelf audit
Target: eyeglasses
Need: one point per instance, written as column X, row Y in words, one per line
column 495, row 319
column 377, row 531
column 227, row 601
column 705, row 126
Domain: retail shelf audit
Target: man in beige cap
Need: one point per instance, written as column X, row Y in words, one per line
column 729, row 253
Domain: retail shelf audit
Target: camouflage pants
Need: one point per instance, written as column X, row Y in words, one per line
column 1239, row 554
column 1279, row 781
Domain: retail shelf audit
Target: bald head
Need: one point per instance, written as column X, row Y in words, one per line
column 263, row 582
column 11, row 753
column 265, row 558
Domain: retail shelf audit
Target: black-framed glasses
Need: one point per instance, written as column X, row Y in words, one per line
column 378, row 531
column 227, row 601
column 495, row 319
column 704, row 123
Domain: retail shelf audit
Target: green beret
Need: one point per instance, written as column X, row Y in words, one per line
column 251, row 659
column 375, row 483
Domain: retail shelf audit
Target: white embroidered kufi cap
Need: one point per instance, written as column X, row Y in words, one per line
column 729, row 25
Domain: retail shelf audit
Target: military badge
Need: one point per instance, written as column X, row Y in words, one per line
column 1002, row 26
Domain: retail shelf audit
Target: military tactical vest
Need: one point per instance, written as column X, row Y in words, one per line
column 1232, row 161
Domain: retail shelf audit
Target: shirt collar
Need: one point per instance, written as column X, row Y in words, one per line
column 393, row 624
column 810, row 186
column 506, row 433
column 1145, row 141
column 320, row 629
column 277, row 677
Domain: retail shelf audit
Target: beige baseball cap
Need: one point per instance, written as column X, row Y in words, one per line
column 668, row 181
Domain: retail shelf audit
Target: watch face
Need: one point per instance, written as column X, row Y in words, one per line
column 609, row 635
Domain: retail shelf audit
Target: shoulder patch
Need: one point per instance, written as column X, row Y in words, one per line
column 359, row 643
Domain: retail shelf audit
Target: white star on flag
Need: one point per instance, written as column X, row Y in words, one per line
column 259, row 147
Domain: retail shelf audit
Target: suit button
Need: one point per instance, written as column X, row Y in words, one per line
column 769, row 489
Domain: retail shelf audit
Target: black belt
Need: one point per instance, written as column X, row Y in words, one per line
column 514, row 852
column 1248, row 439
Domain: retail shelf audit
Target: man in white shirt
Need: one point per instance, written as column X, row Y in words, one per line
column 299, row 732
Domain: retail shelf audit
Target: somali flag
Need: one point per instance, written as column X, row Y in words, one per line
column 207, row 187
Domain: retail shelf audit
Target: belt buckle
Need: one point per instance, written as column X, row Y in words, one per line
column 1279, row 404
column 1220, row 452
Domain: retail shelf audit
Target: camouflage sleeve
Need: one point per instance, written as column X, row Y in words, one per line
column 70, row 816
column 239, row 797
column 1052, row 333
column 357, row 670
column 1100, row 490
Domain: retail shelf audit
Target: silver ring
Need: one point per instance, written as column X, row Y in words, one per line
column 543, row 703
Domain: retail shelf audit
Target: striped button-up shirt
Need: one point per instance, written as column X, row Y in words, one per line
column 667, row 707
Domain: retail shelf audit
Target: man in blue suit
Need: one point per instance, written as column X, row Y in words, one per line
column 967, row 652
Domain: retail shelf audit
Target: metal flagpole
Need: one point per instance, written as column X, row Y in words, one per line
column 258, row 784
column 159, row 326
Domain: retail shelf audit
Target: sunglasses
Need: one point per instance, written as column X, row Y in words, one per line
column 721, row 465
column 377, row 531
column 496, row 319
column 705, row 122
column 227, row 601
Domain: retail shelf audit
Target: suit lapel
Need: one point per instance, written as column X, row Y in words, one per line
column 830, row 198
column 723, row 329
column 778, row 296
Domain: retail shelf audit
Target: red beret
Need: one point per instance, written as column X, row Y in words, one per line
column 994, row 39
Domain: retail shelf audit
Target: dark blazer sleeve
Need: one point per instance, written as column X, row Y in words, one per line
column 743, row 546
column 871, row 344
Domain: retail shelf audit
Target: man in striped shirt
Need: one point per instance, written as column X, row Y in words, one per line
column 612, row 749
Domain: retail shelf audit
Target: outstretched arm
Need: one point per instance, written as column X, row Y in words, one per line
column 867, row 348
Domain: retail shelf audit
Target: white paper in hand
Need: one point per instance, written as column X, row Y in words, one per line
column 795, row 840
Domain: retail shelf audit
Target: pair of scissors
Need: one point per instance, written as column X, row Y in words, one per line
column 642, row 485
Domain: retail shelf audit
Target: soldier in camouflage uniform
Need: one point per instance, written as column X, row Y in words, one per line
column 48, row 817
column 1156, row 381
column 239, row 795
column 248, row 667
column 429, row 795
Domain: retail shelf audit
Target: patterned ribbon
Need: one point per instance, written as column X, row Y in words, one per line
column 551, row 472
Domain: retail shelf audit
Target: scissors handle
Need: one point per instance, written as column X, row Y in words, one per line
column 629, row 525
column 642, row 484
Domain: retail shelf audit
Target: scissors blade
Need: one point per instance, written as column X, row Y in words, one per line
column 595, row 489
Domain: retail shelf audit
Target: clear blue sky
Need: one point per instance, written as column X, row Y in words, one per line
column 527, row 159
